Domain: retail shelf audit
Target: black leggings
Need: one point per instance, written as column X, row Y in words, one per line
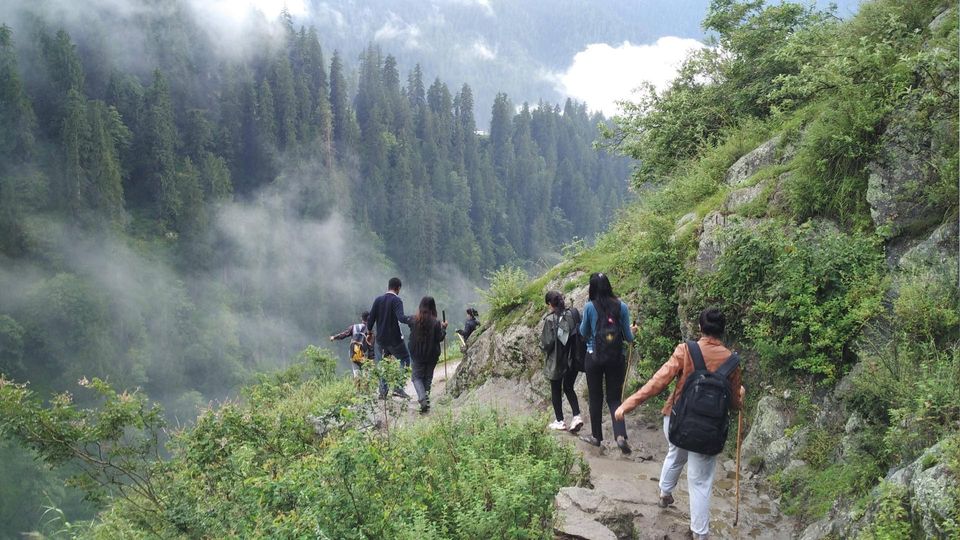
column 566, row 385
column 613, row 372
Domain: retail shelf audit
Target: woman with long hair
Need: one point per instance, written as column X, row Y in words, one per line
column 426, row 335
column 558, row 342
column 605, row 326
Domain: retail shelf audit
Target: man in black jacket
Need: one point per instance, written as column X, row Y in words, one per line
column 386, row 315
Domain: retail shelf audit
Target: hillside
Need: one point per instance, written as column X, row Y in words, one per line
column 810, row 190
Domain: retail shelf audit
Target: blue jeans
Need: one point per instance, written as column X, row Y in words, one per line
column 400, row 352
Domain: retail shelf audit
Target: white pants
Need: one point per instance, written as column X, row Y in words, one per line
column 700, row 469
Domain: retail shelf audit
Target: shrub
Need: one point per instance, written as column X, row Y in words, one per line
column 798, row 298
column 506, row 289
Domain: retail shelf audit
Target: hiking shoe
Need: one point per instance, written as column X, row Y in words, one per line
column 424, row 406
column 576, row 424
column 622, row 443
column 399, row 392
column 557, row 425
column 666, row 499
column 590, row 439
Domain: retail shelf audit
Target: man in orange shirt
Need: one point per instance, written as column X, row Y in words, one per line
column 701, row 467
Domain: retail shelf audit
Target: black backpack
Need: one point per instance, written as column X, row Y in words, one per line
column 701, row 415
column 608, row 339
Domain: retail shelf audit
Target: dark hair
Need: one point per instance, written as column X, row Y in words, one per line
column 601, row 294
column 364, row 316
column 394, row 284
column 472, row 312
column 555, row 300
column 425, row 317
column 712, row 322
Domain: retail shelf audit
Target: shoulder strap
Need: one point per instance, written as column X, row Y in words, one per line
column 697, row 355
column 731, row 364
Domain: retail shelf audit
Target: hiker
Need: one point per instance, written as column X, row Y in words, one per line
column 470, row 324
column 386, row 316
column 426, row 334
column 605, row 326
column 713, row 355
column 559, row 341
column 360, row 350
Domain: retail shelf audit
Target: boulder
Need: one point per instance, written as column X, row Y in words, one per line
column 937, row 249
column 581, row 513
column 768, row 428
column 740, row 198
column 754, row 160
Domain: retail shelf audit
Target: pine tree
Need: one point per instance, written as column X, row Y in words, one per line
column 285, row 102
column 17, row 138
column 157, row 144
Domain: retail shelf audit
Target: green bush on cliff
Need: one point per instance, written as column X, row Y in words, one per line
column 301, row 456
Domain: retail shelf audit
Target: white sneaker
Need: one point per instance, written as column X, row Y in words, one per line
column 557, row 425
column 576, row 424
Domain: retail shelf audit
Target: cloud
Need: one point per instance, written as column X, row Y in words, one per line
column 396, row 29
column 602, row 74
column 481, row 50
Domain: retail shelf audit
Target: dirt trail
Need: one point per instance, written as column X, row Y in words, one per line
column 623, row 501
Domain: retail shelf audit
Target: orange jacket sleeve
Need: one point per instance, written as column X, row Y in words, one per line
column 660, row 380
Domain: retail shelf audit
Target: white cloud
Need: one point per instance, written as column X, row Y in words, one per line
column 396, row 29
column 483, row 51
column 601, row 74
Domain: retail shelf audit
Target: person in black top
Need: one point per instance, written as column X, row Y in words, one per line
column 425, row 337
column 469, row 325
column 386, row 316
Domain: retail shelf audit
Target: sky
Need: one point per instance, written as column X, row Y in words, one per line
column 597, row 75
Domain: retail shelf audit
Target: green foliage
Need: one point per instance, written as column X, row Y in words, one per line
column 798, row 298
column 506, row 289
column 810, row 493
column 115, row 447
column 892, row 518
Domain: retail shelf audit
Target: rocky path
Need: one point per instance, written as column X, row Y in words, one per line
column 622, row 502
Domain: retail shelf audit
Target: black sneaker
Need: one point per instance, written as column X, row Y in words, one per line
column 400, row 393
column 590, row 439
column 622, row 443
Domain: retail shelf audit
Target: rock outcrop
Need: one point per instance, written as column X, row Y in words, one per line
column 768, row 153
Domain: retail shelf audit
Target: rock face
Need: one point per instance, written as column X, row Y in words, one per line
column 751, row 162
column 931, row 488
column 903, row 174
column 712, row 241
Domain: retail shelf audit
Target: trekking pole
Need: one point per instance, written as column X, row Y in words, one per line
column 736, row 514
column 444, row 314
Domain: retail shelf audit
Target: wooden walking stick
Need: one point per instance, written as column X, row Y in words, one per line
column 444, row 314
column 736, row 514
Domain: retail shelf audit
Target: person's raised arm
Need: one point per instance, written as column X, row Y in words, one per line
column 657, row 383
